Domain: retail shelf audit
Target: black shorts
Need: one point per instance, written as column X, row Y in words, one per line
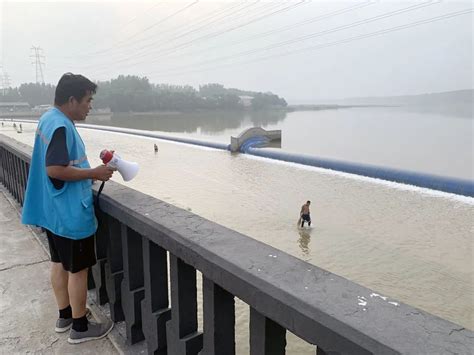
column 306, row 217
column 75, row 255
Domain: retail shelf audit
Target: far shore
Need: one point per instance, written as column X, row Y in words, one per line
column 289, row 108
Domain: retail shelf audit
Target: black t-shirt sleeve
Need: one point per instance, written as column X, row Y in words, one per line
column 57, row 153
column 57, row 149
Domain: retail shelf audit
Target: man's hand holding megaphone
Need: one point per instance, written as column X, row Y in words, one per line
column 102, row 172
column 71, row 173
column 127, row 169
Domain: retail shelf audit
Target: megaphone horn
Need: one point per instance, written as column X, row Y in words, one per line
column 127, row 169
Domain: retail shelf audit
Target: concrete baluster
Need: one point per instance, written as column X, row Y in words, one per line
column 133, row 291
column 2, row 160
column 181, row 331
column 23, row 179
column 155, row 306
column 114, row 269
column 266, row 336
column 98, row 270
column 219, row 319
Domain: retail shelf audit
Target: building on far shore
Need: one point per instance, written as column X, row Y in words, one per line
column 42, row 108
column 246, row 101
column 14, row 106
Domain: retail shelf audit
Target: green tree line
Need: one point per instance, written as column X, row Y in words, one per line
column 137, row 94
column 33, row 94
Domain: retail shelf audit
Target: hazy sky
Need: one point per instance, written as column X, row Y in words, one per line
column 301, row 50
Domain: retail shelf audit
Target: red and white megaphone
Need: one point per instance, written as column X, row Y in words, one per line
column 127, row 169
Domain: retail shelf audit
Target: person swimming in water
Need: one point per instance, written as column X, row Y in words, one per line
column 304, row 214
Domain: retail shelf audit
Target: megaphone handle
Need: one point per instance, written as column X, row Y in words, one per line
column 97, row 203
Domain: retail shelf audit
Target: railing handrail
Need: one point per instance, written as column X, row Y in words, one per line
column 22, row 150
column 316, row 305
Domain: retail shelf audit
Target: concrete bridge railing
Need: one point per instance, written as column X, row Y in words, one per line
column 144, row 246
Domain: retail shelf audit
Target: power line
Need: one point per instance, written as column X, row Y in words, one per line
column 313, row 35
column 286, row 28
column 217, row 16
column 38, row 57
column 147, row 28
column 134, row 18
column 168, row 40
column 218, row 33
column 131, row 20
column 329, row 44
column 184, row 34
column 194, row 30
column 317, row 34
column 214, row 34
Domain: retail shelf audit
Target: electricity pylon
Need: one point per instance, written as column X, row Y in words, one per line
column 38, row 62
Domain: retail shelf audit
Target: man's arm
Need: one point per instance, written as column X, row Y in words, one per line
column 57, row 163
column 71, row 173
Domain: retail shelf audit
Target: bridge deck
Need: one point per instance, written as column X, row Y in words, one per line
column 27, row 303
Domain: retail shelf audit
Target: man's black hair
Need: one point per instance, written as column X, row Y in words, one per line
column 308, row 201
column 74, row 85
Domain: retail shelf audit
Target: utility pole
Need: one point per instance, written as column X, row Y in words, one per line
column 38, row 62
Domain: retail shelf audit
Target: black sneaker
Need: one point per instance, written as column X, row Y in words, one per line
column 94, row 331
column 64, row 324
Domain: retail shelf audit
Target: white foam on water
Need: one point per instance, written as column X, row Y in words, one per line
column 395, row 185
column 391, row 184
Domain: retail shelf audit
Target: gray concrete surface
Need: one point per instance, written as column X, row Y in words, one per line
column 27, row 306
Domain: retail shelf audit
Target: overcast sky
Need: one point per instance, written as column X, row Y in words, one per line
column 301, row 50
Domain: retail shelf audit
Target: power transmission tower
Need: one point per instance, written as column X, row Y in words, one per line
column 5, row 80
column 38, row 62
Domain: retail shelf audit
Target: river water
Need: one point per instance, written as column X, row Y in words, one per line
column 411, row 244
column 412, row 138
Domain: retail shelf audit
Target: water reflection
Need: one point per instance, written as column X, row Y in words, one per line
column 209, row 122
column 304, row 240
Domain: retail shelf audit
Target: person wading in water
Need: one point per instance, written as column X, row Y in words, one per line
column 304, row 214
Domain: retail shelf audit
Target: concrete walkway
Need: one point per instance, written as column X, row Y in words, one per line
column 27, row 306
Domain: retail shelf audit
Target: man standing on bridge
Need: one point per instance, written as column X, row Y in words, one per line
column 59, row 199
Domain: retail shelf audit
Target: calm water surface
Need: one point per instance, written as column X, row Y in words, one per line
column 410, row 244
column 416, row 139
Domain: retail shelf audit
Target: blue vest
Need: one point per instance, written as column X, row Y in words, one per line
column 69, row 211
